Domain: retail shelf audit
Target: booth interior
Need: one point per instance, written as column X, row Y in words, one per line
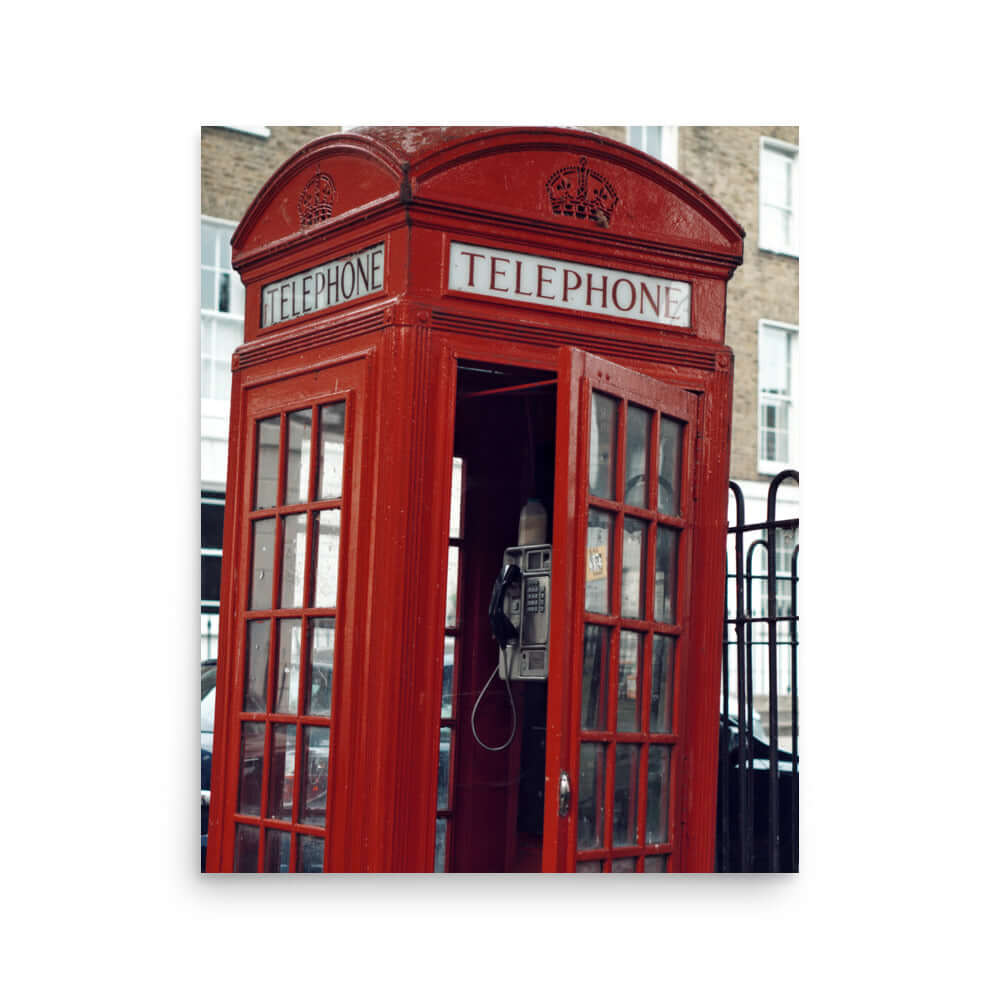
column 505, row 429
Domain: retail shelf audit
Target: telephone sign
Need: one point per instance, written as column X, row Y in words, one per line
column 474, row 563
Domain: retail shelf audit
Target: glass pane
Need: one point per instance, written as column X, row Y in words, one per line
column 444, row 768
column 634, row 568
column 297, row 457
column 623, row 865
column 207, row 289
column 657, row 795
column 208, row 244
column 588, row 866
column 281, row 778
column 286, row 674
column 629, row 681
column 661, row 713
column 623, row 827
column 326, row 550
column 310, row 857
column 262, row 571
column 293, row 560
column 225, row 280
column 448, row 677
column 320, row 682
column 599, row 553
column 637, row 424
column 665, row 588
column 268, row 436
column 669, row 475
column 245, row 853
column 258, row 648
column 237, row 297
column 251, row 770
column 603, row 442
column 277, row 850
column 594, row 700
column 331, row 451
column 455, row 519
column 451, row 591
column 590, row 806
column 773, row 367
column 440, row 843
column 656, row 863
column 315, row 771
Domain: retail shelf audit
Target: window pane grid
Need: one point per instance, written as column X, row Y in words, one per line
column 298, row 712
column 643, row 512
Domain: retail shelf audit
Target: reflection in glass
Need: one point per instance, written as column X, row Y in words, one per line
column 293, row 560
column 297, row 457
column 315, row 772
column 599, row 554
column 629, row 681
column 262, row 569
column 448, row 677
column 251, row 770
column 661, row 716
column 440, row 843
column 451, row 607
column 665, row 587
column 656, row 863
column 657, row 795
column 670, row 467
column 637, row 424
column 444, row 768
column 286, row 672
column 319, row 684
column 268, row 437
column 594, row 686
column 603, row 442
column 326, row 550
column 310, row 855
column 588, row 866
column 624, row 829
column 331, row 451
column 455, row 518
column 277, row 849
column 255, row 679
column 281, row 777
column 245, row 852
column 634, row 568
column 623, row 865
column 590, row 804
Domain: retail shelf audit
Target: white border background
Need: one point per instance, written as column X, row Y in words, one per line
column 899, row 813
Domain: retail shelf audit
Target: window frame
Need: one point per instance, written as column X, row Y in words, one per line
column 772, row 466
column 668, row 142
column 211, row 405
column 789, row 150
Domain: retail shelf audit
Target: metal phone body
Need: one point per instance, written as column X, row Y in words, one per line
column 527, row 605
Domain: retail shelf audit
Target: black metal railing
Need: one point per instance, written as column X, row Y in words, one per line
column 757, row 825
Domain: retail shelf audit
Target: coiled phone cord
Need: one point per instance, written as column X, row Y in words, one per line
column 510, row 697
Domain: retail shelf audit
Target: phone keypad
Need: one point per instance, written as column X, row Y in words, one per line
column 534, row 597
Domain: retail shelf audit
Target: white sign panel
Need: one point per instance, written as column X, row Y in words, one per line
column 519, row 277
column 324, row 286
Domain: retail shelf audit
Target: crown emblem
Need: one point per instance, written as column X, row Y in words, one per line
column 582, row 193
column 316, row 200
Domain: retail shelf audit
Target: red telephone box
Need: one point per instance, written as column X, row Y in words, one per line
column 443, row 325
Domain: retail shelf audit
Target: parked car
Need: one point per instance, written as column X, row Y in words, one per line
column 208, row 668
column 728, row 848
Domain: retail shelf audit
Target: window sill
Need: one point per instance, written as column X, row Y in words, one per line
column 794, row 254
column 773, row 468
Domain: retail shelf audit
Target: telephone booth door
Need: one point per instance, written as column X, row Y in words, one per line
column 625, row 563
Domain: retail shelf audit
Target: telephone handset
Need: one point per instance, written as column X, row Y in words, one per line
column 501, row 626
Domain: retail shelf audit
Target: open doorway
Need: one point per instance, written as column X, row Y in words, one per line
column 490, row 801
